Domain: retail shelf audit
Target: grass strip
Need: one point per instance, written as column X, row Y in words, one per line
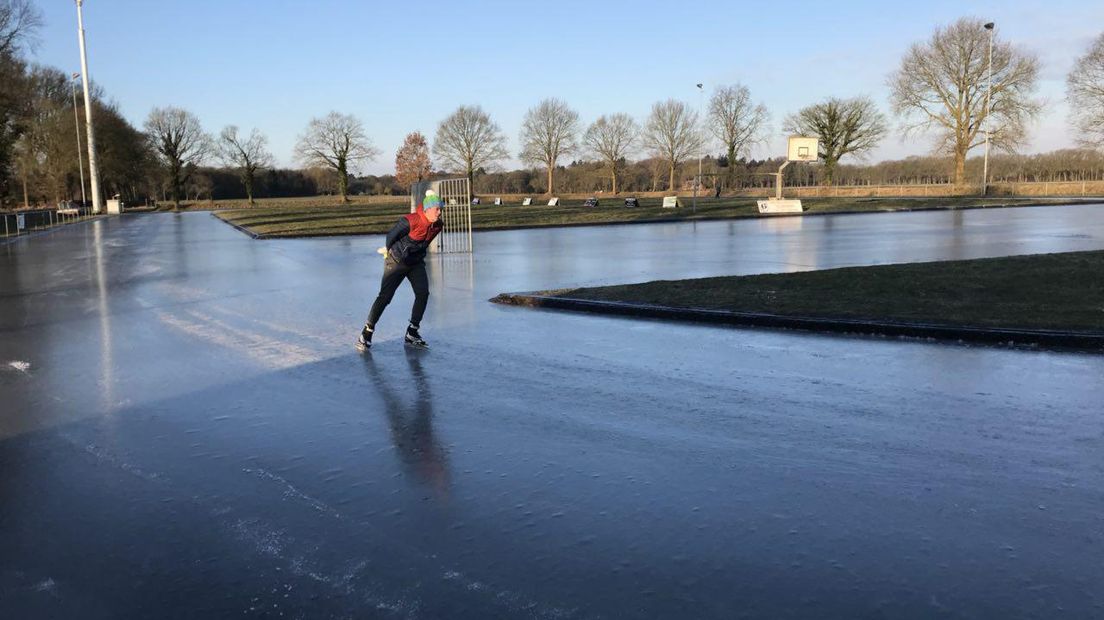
column 1062, row 292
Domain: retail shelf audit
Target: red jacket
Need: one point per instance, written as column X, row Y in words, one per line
column 420, row 228
column 409, row 239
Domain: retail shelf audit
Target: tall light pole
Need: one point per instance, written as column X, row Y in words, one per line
column 701, row 145
column 988, row 122
column 93, row 172
column 76, row 119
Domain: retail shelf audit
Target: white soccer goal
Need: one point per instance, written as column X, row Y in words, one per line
column 456, row 233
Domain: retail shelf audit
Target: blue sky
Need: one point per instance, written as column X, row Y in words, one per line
column 403, row 66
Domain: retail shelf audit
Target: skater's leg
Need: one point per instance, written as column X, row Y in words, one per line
column 419, row 281
column 393, row 274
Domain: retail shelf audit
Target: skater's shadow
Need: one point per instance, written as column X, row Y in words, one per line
column 408, row 406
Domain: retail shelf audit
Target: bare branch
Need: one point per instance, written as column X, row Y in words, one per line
column 940, row 88
column 737, row 122
column 1085, row 91
column 468, row 140
column 672, row 134
column 548, row 132
column 19, row 24
column 844, row 126
column 180, row 143
column 612, row 140
column 336, row 141
column 248, row 155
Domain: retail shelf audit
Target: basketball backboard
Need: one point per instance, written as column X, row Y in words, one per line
column 802, row 148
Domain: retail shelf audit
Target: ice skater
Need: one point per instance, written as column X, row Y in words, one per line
column 404, row 258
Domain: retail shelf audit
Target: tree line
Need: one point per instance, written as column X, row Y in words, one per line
column 941, row 88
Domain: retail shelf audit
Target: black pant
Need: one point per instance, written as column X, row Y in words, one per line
column 393, row 274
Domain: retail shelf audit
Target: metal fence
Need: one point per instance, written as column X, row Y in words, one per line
column 17, row 223
column 456, row 234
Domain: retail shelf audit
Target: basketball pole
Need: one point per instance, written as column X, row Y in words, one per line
column 778, row 185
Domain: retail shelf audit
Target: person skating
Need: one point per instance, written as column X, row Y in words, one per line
column 404, row 258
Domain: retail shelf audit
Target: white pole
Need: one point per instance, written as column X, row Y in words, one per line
column 93, row 172
column 76, row 119
column 988, row 123
column 778, row 186
column 701, row 145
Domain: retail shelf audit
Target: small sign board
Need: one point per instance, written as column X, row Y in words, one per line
column 632, row 202
column 775, row 205
column 20, row 221
column 554, row 202
column 498, row 201
column 590, row 202
column 670, row 202
column 527, row 202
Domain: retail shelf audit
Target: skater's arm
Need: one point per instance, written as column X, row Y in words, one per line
column 398, row 231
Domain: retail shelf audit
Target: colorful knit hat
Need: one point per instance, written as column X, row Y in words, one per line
column 431, row 201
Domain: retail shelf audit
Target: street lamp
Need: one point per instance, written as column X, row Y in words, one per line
column 93, row 171
column 701, row 145
column 988, row 122
column 76, row 120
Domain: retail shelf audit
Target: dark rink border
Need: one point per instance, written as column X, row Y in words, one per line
column 1084, row 341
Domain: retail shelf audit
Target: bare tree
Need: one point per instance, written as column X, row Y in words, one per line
column 412, row 160
column 672, row 135
column 336, row 141
column 611, row 139
column 737, row 122
column 19, row 24
column 39, row 100
column 844, row 126
column 1085, row 91
column 248, row 155
column 941, row 86
column 180, row 143
column 468, row 140
column 548, row 132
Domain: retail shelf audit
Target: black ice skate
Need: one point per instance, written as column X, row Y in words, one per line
column 364, row 341
column 414, row 339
